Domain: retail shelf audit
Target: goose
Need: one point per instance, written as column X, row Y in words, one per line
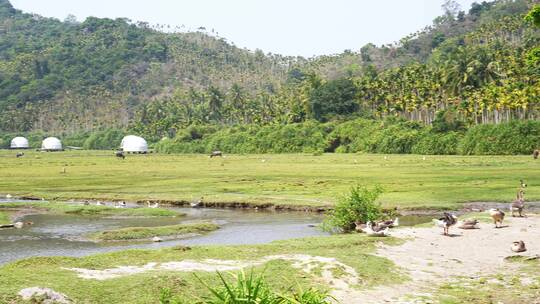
column 445, row 222
column 518, row 204
column 359, row 227
column 98, row 203
column 120, row 204
column 518, row 246
column 497, row 215
column 372, row 230
column 389, row 223
column 8, row 196
column 468, row 224
column 18, row 225
column 154, row 205
column 197, row 204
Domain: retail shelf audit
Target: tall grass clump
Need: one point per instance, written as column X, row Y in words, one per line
column 252, row 289
column 360, row 205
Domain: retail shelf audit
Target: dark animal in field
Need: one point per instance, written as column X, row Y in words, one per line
column 519, row 204
column 120, row 154
column 20, row 154
column 445, row 222
column 536, row 153
column 518, row 246
column 216, row 154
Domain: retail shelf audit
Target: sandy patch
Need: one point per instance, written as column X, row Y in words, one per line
column 341, row 286
column 430, row 258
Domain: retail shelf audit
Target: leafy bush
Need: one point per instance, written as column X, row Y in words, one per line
column 517, row 137
column 104, row 140
column 397, row 138
column 358, row 206
column 438, row 144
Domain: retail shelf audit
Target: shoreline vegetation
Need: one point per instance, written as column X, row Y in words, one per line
column 79, row 209
column 270, row 181
column 146, row 233
column 54, row 272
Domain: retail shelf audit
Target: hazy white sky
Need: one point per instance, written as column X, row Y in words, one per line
column 289, row 27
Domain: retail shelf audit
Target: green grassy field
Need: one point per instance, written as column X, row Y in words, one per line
column 409, row 181
column 145, row 233
column 4, row 218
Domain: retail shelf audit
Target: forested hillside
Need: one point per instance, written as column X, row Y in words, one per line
column 71, row 76
column 474, row 67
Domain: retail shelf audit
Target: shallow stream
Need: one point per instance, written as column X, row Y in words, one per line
column 64, row 235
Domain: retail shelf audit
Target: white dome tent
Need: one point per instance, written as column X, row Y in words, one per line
column 19, row 143
column 134, row 144
column 51, row 144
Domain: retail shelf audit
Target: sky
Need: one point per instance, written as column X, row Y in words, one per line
column 288, row 27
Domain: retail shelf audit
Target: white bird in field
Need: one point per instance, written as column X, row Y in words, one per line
column 98, row 203
column 154, row 205
column 373, row 230
column 9, row 196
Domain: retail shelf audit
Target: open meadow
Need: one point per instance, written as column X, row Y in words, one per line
column 409, row 181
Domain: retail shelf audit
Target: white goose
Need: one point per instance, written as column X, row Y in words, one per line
column 373, row 230
column 154, row 205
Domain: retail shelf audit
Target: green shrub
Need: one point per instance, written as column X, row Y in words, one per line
column 396, row 138
column 438, row 144
column 358, row 206
column 517, row 137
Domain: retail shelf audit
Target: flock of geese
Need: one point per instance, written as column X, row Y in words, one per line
column 449, row 220
column 497, row 215
column 123, row 204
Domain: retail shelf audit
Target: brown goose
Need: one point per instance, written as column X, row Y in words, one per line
column 519, row 204
column 518, row 246
column 497, row 215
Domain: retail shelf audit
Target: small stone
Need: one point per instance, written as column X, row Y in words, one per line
column 46, row 295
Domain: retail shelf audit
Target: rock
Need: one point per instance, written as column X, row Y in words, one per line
column 45, row 295
column 18, row 225
column 157, row 239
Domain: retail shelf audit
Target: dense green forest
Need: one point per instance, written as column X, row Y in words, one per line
column 470, row 73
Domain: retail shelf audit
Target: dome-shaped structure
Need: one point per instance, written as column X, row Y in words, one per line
column 134, row 144
column 19, row 143
column 51, row 144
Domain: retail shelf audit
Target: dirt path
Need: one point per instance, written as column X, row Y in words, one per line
column 431, row 259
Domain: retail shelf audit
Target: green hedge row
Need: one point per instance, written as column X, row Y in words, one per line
column 360, row 135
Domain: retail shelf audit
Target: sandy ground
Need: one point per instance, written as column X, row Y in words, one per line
column 428, row 257
column 431, row 259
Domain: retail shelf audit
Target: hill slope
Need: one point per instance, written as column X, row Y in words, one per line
column 69, row 76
